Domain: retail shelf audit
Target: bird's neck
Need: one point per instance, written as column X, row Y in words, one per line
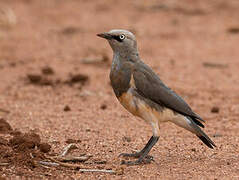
column 120, row 75
column 126, row 56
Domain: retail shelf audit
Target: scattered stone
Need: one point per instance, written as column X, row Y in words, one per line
column 103, row 106
column 4, row 126
column 40, row 80
column 126, row 139
column 47, row 70
column 233, row 30
column 88, row 130
column 193, row 149
column 215, row 109
column 34, row 78
column 45, row 147
column 70, row 141
column 45, row 79
column 67, row 108
column 70, row 30
column 76, row 78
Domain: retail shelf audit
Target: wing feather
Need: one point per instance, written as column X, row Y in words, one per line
column 150, row 86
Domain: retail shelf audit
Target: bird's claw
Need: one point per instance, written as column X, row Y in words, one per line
column 137, row 162
column 135, row 155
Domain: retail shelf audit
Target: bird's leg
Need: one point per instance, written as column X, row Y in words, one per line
column 143, row 154
column 138, row 154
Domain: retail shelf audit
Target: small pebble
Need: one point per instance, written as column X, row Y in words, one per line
column 67, row 108
column 47, row 70
column 34, row 78
column 103, row 106
column 215, row 109
column 127, row 139
column 45, row 147
column 193, row 149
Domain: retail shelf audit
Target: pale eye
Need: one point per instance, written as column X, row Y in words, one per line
column 122, row 36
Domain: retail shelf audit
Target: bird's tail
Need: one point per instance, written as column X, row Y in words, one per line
column 201, row 135
column 192, row 125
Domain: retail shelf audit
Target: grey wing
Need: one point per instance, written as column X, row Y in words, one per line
column 150, row 86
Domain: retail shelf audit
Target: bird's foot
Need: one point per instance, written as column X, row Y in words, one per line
column 145, row 160
column 135, row 155
column 143, row 157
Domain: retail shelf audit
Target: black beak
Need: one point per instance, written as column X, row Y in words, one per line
column 105, row 35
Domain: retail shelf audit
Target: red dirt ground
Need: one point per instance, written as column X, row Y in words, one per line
column 55, row 87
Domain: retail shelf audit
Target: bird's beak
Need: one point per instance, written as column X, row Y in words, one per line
column 105, row 35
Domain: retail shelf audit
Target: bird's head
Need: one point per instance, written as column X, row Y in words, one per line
column 121, row 41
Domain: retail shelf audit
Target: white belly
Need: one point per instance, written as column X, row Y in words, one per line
column 140, row 108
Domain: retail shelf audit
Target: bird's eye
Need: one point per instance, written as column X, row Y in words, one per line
column 122, row 36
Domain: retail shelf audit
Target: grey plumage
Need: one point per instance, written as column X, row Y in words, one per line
column 143, row 93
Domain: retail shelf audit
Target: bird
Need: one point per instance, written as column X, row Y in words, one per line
column 141, row 92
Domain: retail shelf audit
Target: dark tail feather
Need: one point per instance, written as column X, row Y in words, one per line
column 204, row 138
column 207, row 141
column 198, row 122
column 196, row 116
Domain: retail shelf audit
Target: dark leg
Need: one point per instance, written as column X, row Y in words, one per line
column 143, row 154
column 138, row 154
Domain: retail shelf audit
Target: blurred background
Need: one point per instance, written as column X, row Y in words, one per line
column 54, row 81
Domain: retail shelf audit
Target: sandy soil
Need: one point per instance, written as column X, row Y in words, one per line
column 55, row 88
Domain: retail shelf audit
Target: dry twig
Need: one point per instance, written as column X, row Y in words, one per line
column 63, row 164
column 97, row 170
column 4, row 164
column 214, row 65
column 5, row 111
column 67, row 149
column 45, row 163
column 57, row 161
column 72, row 158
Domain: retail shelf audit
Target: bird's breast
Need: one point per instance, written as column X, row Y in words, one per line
column 120, row 78
column 145, row 108
column 130, row 102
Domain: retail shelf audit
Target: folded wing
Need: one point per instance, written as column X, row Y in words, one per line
column 149, row 85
